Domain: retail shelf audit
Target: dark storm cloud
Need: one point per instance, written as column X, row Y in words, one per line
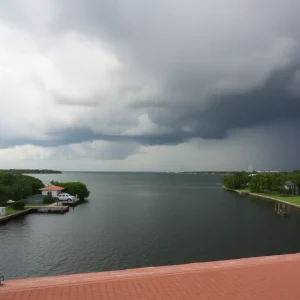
column 271, row 103
column 79, row 135
column 268, row 104
column 191, row 48
column 168, row 39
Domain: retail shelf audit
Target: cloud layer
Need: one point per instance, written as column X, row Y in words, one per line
column 102, row 80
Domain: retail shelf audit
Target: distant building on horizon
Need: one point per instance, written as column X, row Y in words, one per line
column 250, row 168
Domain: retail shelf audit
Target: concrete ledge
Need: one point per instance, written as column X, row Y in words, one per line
column 268, row 277
column 14, row 216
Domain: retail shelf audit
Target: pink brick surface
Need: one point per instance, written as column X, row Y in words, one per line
column 267, row 278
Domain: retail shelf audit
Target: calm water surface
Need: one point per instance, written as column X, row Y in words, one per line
column 137, row 220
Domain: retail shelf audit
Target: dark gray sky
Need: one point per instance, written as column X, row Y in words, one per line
column 136, row 85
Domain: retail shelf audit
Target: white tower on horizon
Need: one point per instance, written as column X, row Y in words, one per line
column 250, row 169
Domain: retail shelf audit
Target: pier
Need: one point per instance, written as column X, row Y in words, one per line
column 50, row 209
column 281, row 207
column 270, row 277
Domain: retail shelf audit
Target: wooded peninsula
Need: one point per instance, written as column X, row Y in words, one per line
column 31, row 171
column 279, row 185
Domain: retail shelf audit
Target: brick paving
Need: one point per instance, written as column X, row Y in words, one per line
column 266, row 278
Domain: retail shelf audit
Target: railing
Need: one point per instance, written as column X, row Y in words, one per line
column 1, row 280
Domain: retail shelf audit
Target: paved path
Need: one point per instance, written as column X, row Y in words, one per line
column 265, row 278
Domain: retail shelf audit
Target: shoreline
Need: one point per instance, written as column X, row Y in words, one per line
column 36, row 209
column 16, row 215
column 247, row 193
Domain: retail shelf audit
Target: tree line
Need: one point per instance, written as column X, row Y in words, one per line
column 14, row 186
column 31, row 171
column 262, row 182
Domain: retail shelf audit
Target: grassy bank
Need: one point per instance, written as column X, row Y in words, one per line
column 288, row 199
column 11, row 211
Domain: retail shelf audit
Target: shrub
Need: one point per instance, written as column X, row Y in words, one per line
column 18, row 205
column 49, row 199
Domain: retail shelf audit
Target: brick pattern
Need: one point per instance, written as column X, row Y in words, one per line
column 267, row 278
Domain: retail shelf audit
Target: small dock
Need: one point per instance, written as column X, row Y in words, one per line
column 71, row 202
column 50, row 209
column 282, row 209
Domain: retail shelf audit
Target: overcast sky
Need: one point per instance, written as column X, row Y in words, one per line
column 155, row 85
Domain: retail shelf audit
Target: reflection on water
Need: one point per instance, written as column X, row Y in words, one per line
column 135, row 220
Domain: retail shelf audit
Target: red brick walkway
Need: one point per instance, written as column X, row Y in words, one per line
column 265, row 278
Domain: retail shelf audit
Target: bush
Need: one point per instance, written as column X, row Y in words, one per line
column 49, row 199
column 18, row 205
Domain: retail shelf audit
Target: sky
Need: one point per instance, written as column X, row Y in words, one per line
column 131, row 85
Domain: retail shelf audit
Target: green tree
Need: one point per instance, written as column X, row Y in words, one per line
column 19, row 186
column 238, row 180
column 277, row 184
column 4, row 195
column 74, row 188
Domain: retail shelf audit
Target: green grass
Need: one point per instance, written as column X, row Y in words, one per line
column 10, row 211
column 289, row 199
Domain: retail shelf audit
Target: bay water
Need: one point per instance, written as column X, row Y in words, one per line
column 144, row 219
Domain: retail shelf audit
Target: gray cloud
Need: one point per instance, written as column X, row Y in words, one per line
column 168, row 39
column 196, row 69
column 65, row 100
column 270, row 103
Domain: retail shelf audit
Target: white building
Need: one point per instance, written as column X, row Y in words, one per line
column 51, row 190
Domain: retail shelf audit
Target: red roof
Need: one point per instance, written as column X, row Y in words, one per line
column 52, row 188
column 265, row 278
